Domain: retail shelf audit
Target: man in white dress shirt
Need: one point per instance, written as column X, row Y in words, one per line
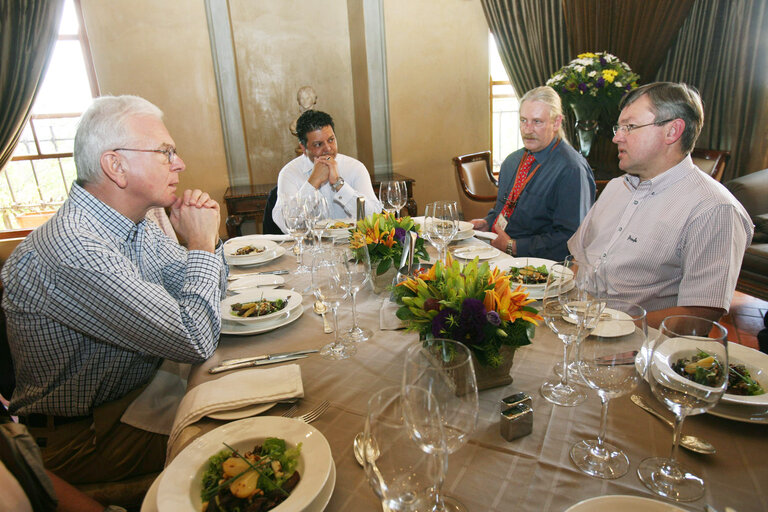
column 672, row 237
column 339, row 178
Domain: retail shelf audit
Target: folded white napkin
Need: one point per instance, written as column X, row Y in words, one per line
column 154, row 409
column 488, row 235
column 388, row 320
column 236, row 390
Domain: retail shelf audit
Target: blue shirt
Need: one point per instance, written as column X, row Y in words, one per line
column 553, row 203
column 94, row 302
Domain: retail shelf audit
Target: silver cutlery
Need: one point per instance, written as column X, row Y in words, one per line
column 263, row 362
column 291, row 411
column 232, row 277
column 692, row 443
column 227, row 362
column 311, row 415
column 320, row 308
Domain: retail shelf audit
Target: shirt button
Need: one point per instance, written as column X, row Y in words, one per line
column 635, row 202
column 620, row 229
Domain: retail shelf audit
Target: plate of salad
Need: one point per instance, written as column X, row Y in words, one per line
column 266, row 463
column 259, row 305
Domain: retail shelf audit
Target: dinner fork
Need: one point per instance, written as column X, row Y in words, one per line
column 291, row 411
column 314, row 413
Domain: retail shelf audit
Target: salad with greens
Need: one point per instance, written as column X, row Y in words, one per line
column 706, row 369
column 254, row 481
column 529, row 274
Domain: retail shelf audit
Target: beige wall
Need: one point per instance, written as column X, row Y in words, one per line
column 437, row 65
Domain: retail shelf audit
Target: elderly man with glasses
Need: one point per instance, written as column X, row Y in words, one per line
column 668, row 236
column 98, row 296
column 545, row 188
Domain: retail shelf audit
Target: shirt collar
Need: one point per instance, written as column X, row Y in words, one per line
column 306, row 164
column 114, row 222
column 542, row 155
column 665, row 179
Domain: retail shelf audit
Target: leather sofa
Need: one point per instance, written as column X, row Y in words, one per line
column 752, row 191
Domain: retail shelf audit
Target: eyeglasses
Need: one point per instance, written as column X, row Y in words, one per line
column 169, row 152
column 626, row 128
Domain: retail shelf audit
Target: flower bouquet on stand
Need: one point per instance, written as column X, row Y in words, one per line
column 472, row 304
column 384, row 234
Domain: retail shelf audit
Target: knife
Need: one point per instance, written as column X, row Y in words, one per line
column 274, row 360
column 231, row 277
column 227, row 362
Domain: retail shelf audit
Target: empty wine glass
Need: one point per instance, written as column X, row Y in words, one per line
column 328, row 279
column 295, row 218
column 441, row 223
column 393, row 195
column 606, row 362
column 318, row 213
column 357, row 264
column 401, row 475
column 444, row 368
column 688, row 372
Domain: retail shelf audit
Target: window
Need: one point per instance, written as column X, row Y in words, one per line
column 505, row 115
column 37, row 179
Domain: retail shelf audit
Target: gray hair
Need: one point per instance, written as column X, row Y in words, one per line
column 104, row 127
column 548, row 96
column 670, row 100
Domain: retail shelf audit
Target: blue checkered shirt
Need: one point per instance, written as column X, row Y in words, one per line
column 94, row 302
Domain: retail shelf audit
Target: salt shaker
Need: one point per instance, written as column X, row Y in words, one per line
column 516, row 399
column 516, row 421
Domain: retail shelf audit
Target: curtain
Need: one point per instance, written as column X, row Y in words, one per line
column 722, row 50
column 28, row 31
column 531, row 38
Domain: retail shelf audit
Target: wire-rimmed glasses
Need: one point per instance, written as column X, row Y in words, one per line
column 168, row 151
column 627, row 128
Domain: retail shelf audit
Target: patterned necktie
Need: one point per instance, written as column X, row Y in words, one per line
column 517, row 188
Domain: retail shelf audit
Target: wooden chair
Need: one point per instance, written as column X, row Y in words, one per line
column 476, row 184
column 711, row 161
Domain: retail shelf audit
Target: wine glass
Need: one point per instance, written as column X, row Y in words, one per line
column 606, row 362
column 296, row 222
column 444, row 368
column 318, row 213
column 328, row 279
column 441, row 223
column 357, row 264
column 401, row 475
column 393, row 195
column 686, row 387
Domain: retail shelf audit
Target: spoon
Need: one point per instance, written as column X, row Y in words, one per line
column 320, row 308
column 692, row 443
column 372, row 448
column 358, row 448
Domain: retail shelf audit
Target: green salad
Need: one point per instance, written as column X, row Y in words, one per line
column 529, row 274
column 706, row 369
column 254, row 481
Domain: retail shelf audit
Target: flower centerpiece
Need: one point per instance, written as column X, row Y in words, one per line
column 593, row 85
column 384, row 235
column 472, row 304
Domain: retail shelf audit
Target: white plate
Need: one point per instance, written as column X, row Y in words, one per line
column 464, row 226
column 293, row 298
column 247, row 329
column 179, row 488
column 623, row 504
column 611, row 328
column 470, row 252
column 743, row 413
column 260, row 259
column 488, row 235
column 243, row 412
column 340, row 232
column 757, row 364
column 232, row 245
column 463, row 235
column 247, row 282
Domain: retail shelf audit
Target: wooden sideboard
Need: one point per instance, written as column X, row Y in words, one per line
column 247, row 202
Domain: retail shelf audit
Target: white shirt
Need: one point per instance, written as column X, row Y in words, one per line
column 675, row 240
column 294, row 180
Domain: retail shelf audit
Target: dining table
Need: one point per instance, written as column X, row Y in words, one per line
column 489, row 473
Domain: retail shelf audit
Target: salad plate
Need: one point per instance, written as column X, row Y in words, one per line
column 242, row 412
column 612, row 503
column 337, row 232
column 470, row 252
column 180, row 484
column 255, row 281
column 292, row 299
column 466, row 230
column 258, row 328
column 260, row 248
column 259, row 259
column 744, row 414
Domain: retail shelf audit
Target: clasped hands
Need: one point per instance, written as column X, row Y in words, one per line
column 196, row 217
column 326, row 169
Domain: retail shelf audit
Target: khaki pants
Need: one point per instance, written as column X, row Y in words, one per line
column 102, row 450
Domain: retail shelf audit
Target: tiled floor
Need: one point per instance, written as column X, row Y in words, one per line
column 745, row 319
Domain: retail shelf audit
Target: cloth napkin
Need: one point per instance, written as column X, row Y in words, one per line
column 388, row 320
column 236, row 390
column 154, row 409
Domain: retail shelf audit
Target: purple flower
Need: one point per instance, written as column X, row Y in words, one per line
column 400, row 235
column 603, row 62
column 600, row 82
column 440, row 324
column 493, row 318
column 583, row 87
column 471, row 322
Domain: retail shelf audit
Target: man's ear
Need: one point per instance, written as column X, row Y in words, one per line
column 674, row 130
column 112, row 166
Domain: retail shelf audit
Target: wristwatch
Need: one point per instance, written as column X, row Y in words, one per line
column 511, row 247
column 339, row 183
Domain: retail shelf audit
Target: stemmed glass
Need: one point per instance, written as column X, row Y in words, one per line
column 295, row 218
column 444, row 368
column 317, row 212
column 393, row 195
column 357, row 264
column 328, row 281
column 606, row 362
column 441, row 223
column 401, row 474
column 685, row 387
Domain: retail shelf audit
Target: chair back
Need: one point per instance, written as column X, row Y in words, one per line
column 711, row 161
column 268, row 226
column 477, row 186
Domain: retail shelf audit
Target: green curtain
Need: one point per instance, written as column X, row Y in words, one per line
column 28, row 31
column 722, row 49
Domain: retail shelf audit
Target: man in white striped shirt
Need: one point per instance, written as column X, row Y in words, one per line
column 671, row 237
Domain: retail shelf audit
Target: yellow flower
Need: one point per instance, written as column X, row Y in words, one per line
column 609, row 75
column 588, row 55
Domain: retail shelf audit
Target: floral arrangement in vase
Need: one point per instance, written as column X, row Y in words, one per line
column 593, row 85
column 472, row 304
column 384, row 234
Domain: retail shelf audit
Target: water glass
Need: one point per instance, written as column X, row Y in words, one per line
column 328, row 284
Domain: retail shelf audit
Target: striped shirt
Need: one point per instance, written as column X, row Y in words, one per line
column 94, row 303
column 675, row 240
